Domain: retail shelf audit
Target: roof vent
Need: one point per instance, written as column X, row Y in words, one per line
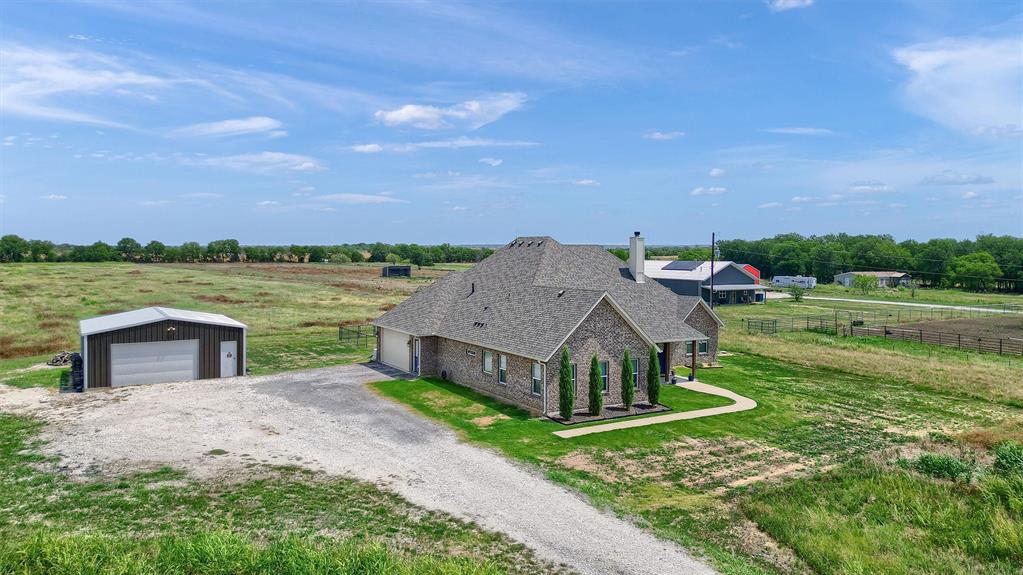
column 530, row 243
column 539, row 243
column 561, row 293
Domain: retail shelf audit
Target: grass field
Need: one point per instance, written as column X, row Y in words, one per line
column 922, row 295
column 284, row 521
column 821, row 477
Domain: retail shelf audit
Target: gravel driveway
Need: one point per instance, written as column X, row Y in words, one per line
column 327, row 420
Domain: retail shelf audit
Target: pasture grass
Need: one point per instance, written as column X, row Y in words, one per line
column 923, row 295
column 174, row 524
column 686, row 479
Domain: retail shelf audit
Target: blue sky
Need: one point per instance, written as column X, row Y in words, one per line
column 476, row 122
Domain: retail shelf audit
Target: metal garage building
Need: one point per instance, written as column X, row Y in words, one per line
column 160, row 344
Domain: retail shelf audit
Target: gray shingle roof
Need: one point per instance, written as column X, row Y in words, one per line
column 529, row 295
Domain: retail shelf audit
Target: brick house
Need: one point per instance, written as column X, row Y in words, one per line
column 499, row 326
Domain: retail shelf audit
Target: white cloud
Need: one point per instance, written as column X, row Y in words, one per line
column 238, row 127
column 55, row 197
column 493, row 162
column 804, row 199
column 202, row 195
column 261, row 163
column 954, row 178
column 869, row 187
column 35, row 81
column 471, row 114
column 769, row 205
column 155, row 203
column 361, row 199
column 973, row 85
column 716, row 172
column 970, row 195
column 783, row 5
column 586, row 182
column 268, row 203
column 800, row 131
column 654, row 135
column 367, row 148
column 897, row 206
column 711, row 191
column 458, row 208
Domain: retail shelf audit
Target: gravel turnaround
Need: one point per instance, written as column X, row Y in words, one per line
column 327, row 420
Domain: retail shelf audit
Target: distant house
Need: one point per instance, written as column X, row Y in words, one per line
column 499, row 326
column 396, row 271
column 884, row 279
column 733, row 283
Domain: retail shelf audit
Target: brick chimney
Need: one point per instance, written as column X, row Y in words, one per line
column 637, row 257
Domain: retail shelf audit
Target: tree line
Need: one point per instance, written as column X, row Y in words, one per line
column 16, row 249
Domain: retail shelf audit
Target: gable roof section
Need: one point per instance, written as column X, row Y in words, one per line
column 531, row 294
column 148, row 315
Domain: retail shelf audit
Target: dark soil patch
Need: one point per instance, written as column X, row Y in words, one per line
column 387, row 307
column 219, row 299
column 135, row 272
column 11, row 348
column 318, row 323
column 144, row 290
column 1005, row 326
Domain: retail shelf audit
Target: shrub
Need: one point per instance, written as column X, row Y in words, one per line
column 596, row 393
column 796, row 291
column 628, row 388
column 1008, row 458
column 653, row 378
column 943, row 466
column 566, row 392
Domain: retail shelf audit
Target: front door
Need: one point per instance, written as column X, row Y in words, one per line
column 228, row 358
column 662, row 358
column 416, row 349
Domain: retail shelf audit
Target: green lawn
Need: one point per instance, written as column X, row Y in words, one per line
column 284, row 521
column 922, row 295
column 687, row 479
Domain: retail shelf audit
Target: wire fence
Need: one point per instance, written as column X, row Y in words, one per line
column 999, row 345
column 360, row 336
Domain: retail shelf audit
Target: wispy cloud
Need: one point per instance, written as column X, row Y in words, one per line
column 586, row 182
column 970, row 195
column 260, row 163
column 954, row 178
column 202, row 195
column 492, row 162
column 367, row 148
column 769, row 205
column 266, row 203
column 869, row 187
column 783, row 5
column 658, row 135
column 472, row 114
column 716, row 172
column 361, row 199
column 54, row 197
column 973, row 85
column 239, row 127
column 800, row 131
column 449, row 144
column 708, row 191
column 155, row 203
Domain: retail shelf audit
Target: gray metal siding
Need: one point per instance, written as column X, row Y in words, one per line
column 97, row 362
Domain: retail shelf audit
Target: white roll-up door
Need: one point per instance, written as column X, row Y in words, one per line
column 153, row 362
column 394, row 350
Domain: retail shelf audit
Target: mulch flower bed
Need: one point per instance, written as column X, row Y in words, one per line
column 609, row 412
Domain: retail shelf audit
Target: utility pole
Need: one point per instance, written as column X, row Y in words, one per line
column 713, row 248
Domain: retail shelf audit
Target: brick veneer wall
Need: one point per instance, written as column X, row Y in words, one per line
column 604, row 333
column 453, row 358
column 704, row 322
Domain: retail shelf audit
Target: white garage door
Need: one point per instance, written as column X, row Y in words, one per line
column 394, row 349
column 153, row 362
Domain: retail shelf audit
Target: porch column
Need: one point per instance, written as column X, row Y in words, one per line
column 693, row 373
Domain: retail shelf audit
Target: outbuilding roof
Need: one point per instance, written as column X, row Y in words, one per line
column 875, row 274
column 146, row 315
column 688, row 270
column 532, row 293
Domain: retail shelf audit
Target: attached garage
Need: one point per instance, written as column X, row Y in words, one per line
column 159, row 345
column 395, row 349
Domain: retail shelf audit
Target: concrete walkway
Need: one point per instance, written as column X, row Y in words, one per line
column 741, row 404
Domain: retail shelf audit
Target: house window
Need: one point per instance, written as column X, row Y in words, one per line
column 537, row 378
column 635, row 373
column 502, row 369
column 575, row 382
column 488, row 362
column 603, row 375
column 703, row 347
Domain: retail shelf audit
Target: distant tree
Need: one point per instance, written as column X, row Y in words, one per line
column 620, row 253
column 653, row 378
column 340, row 258
column 976, row 271
column 628, row 386
column 317, row 253
column 41, row 251
column 223, row 251
column 694, row 254
column 190, row 252
column 864, row 284
column 596, row 391
column 392, row 258
column 796, row 291
column 12, row 248
column 378, row 252
column 566, row 391
column 130, row 250
column 355, row 255
column 154, row 251
column 789, row 259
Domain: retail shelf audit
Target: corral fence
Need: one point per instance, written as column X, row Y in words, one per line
column 818, row 323
column 999, row 345
column 362, row 336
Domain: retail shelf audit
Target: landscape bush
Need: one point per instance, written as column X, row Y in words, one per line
column 943, row 466
column 653, row 378
column 1008, row 457
column 596, row 393
column 566, row 391
column 628, row 387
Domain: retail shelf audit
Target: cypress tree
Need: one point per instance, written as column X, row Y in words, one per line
column 653, row 378
column 566, row 392
column 628, row 387
column 596, row 394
